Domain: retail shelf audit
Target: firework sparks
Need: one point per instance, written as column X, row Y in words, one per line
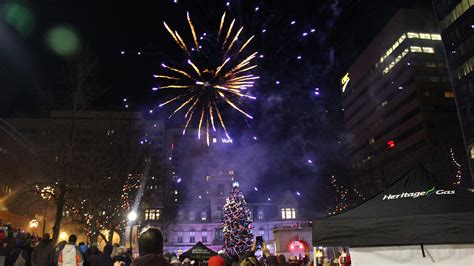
column 216, row 74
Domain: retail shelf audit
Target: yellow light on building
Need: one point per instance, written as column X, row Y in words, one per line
column 345, row 81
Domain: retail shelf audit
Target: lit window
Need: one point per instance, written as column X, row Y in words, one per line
column 192, row 216
column 425, row 36
column 261, row 232
column 455, row 13
column 152, row 214
column 231, row 172
column 428, row 50
column 402, row 38
column 472, row 151
column 192, row 237
column 204, row 236
column 436, row 37
column 260, row 214
column 208, row 177
column 449, row 94
column 415, row 49
column 288, row 213
column 180, row 237
column 394, row 62
column 203, row 216
column 371, row 141
column 412, row 35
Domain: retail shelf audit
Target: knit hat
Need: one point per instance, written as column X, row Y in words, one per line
column 216, row 261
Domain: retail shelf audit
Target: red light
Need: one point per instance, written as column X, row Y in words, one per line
column 172, row 146
column 391, row 144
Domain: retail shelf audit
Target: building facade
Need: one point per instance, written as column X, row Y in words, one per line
column 200, row 180
column 399, row 107
column 14, row 155
column 185, row 190
column 456, row 23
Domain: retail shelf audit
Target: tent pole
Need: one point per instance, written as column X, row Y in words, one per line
column 423, row 251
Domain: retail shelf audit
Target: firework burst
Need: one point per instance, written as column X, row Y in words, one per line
column 217, row 73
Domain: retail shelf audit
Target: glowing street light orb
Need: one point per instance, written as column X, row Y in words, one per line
column 63, row 236
column 132, row 216
column 34, row 223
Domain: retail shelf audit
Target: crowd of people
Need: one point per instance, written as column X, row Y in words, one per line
column 18, row 248
column 24, row 249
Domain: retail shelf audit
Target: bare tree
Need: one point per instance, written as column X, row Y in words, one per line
column 114, row 167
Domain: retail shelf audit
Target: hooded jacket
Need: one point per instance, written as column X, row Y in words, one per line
column 70, row 256
column 43, row 253
column 150, row 260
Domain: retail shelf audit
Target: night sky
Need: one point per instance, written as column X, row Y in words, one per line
column 289, row 116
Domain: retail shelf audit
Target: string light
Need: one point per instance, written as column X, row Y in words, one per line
column 237, row 224
column 457, row 167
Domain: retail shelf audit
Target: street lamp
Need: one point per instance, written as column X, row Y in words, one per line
column 63, row 236
column 34, row 223
column 131, row 217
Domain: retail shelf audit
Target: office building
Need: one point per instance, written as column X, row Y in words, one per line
column 399, row 107
column 456, row 23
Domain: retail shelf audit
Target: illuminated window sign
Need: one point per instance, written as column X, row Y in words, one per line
column 227, row 141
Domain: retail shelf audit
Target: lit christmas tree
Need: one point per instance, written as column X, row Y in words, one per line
column 237, row 224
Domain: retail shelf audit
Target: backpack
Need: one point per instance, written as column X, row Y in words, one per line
column 20, row 261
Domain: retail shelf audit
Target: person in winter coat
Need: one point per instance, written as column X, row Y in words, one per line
column 150, row 247
column 344, row 259
column 43, row 253
column 70, row 254
column 83, row 248
column 94, row 256
column 59, row 248
column 122, row 257
column 105, row 258
column 19, row 255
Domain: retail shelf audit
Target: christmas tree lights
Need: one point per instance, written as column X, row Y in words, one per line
column 237, row 224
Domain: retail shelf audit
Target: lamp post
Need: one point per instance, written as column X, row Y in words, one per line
column 131, row 217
